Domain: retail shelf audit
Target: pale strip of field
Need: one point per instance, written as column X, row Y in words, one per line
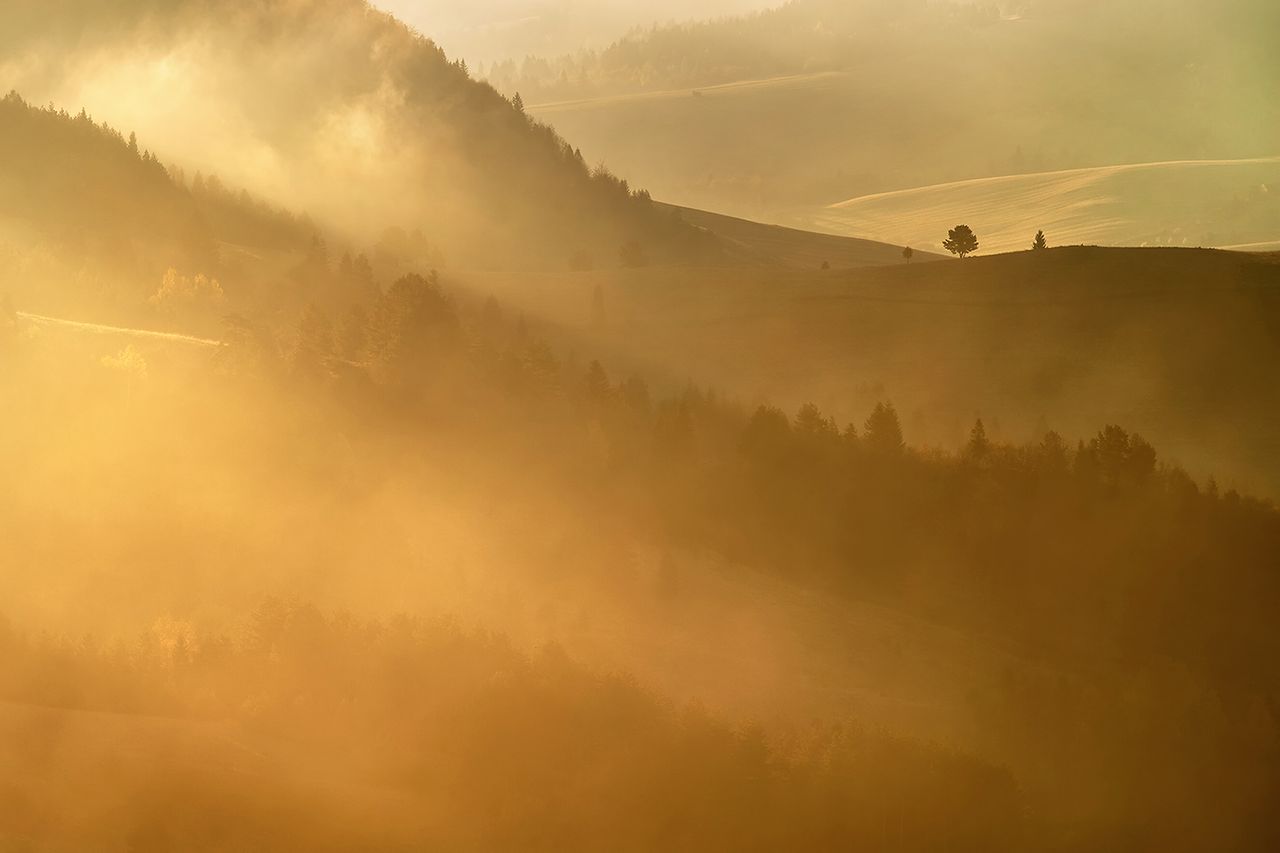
column 1263, row 246
column 738, row 87
column 98, row 328
column 1175, row 202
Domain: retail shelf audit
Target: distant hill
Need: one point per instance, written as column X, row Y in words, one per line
column 754, row 242
column 1213, row 203
column 775, row 114
column 1179, row 344
column 333, row 107
column 495, row 30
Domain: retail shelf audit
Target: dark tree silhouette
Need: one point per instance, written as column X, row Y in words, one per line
column 410, row 324
column 961, row 241
column 883, row 430
column 979, row 445
column 596, row 387
column 1040, row 242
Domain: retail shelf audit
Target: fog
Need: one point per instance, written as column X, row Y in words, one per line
column 514, row 29
column 386, row 466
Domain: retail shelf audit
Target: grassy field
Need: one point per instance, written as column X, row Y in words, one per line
column 1181, row 203
column 1175, row 343
column 746, row 148
column 760, row 244
column 822, row 151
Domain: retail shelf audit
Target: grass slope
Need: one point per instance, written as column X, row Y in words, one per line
column 1175, row 343
column 1185, row 202
column 756, row 242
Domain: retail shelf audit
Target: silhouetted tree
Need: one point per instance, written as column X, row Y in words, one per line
column 1040, row 242
column 1053, row 451
column 1116, row 456
column 883, row 430
column 811, row 422
column 596, row 387
column 979, row 446
column 767, row 437
column 413, row 322
column 961, row 241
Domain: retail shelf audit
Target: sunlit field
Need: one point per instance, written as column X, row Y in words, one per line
column 1227, row 204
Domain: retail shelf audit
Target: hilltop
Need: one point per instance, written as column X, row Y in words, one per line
column 1174, row 342
column 1216, row 203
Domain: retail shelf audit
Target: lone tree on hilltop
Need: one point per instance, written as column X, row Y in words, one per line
column 907, row 254
column 961, row 241
column 1040, row 242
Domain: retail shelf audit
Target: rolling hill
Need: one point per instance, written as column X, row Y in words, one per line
column 1211, row 203
column 1175, row 343
column 773, row 245
column 779, row 115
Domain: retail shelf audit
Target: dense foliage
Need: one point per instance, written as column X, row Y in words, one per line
column 471, row 745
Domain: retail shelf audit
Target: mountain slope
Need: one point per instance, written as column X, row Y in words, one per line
column 91, row 222
column 331, row 106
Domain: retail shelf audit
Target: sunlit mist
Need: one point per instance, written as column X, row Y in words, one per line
column 550, row 425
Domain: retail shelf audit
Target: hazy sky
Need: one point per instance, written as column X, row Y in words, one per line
column 499, row 29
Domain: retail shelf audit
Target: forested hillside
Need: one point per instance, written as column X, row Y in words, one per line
column 1106, row 603
column 336, row 108
column 92, row 221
